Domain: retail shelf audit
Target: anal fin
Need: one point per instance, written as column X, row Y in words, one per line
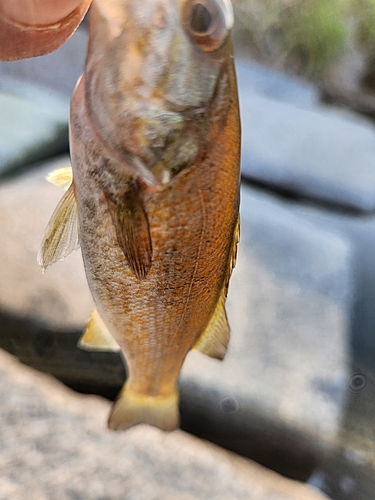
column 214, row 340
column 97, row 336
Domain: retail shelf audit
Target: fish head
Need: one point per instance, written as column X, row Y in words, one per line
column 157, row 79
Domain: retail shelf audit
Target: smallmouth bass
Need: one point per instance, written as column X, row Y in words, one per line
column 153, row 199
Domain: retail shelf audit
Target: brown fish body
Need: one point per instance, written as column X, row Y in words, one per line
column 158, row 248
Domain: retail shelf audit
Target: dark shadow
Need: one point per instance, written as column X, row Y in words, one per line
column 55, row 352
column 348, row 472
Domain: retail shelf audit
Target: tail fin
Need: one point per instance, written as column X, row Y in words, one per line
column 132, row 409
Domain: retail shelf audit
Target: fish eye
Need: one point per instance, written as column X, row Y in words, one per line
column 207, row 22
column 201, row 19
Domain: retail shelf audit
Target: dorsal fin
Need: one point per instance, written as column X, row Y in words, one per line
column 97, row 336
column 132, row 229
column 62, row 177
column 61, row 235
column 214, row 340
column 233, row 255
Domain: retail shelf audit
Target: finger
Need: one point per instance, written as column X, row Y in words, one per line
column 37, row 27
column 37, row 12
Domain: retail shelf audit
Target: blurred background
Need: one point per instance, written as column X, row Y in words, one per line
column 294, row 400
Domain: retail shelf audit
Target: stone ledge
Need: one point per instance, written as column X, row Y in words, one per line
column 55, row 445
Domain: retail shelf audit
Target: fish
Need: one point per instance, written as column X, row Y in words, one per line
column 153, row 195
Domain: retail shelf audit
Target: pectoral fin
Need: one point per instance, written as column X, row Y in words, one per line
column 61, row 235
column 132, row 229
column 97, row 336
column 214, row 340
column 62, row 177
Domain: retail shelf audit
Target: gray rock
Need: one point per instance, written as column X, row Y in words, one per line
column 265, row 82
column 350, row 467
column 282, row 384
column 34, row 103
column 314, row 151
column 42, row 316
column 348, row 470
column 54, row 445
column 33, row 125
column 25, row 208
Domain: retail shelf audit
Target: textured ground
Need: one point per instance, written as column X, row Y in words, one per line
column 54, row 444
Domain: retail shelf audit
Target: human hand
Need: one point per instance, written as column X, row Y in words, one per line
column 35, row 27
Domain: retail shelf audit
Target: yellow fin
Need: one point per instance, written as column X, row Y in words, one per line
column 97, row 336
column 132, row 409
column 214, row 340
column 61, row 235
column 62, row 177
column 236, row 239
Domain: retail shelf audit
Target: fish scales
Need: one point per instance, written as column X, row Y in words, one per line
column 188, row 269
column 158, row 247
